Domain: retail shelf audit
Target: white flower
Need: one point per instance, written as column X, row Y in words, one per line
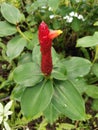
column 51, row 16
column 77, row 1
column 27, row 128
column 50, row 9
column 66, row 17
column 81, row 17
column 6, row 125
column 44, row 7
column 69, row 19
column 72, row 13
column 4, row 113
column 75, row 14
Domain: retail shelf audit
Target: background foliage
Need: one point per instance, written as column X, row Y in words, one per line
column 19, row 21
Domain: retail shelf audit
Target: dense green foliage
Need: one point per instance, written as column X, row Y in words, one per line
column 72, row 88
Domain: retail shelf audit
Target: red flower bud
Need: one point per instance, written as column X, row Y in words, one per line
column 45, row 39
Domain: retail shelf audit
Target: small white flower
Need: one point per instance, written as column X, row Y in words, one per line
column 51, row 16
column 77, row 1
column 43, row 7
column 70, row 19
column 6, row 125
column 4, row 113
column 72, row 13
column 66, row 17
column 50, row 9
column 1, row 118
column 80, row 17
column 76, row 15
column 27, row 128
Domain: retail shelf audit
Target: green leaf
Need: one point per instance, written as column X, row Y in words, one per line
column 68, row 101
column 51, row 113
column 76, row 24
column 17, row 93
column 7, row 29
column 60, row 67
column 92, row 91
column 34, row 41
column 15, row 46
column 88, row 41
column 55, row 58
column 76, row 66
column 58, row 75
column 80, row 84
column 28, row 74
column 96, row 23
column 95, row 105
column 53, row 4
column 95, row 69
column 35, row 99
column 25, row 58
column 36, row 55
column 10, row 13
column 65, row 126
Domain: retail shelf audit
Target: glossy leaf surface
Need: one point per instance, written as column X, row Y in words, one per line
column 68, row 101
column 10, row 13
column 35, row 99
column 15, row 46
column 51, row 113
column 7, row 29
column 76, row 66
column 28, row 74
column 88, row 41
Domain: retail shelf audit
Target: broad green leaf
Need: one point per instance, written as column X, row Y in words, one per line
column 10, row 13
column 15, row 46
column 55, row 58
column 34, row 40
column 37, row 4
column 53, row 4
column 76, row 66
column 95, row 105
column 35, row 99
column 25, row 58
column 51, row 113
column 95, row 69
column 28, row 74
column 80, row 84
column 76, row 24
column 88, row 41
column 36, row 55
column 17, row 92
column 58, row 75
column 68, row 100
column 60, row 67
column 7, row 29
column 92, row 91
column 56, row 24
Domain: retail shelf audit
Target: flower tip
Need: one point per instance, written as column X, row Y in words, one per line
column 60, row 32
column 54, row 33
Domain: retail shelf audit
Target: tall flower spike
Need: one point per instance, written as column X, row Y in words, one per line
column 45, row 39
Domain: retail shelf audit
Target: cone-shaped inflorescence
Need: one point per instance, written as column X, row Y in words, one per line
column 45, row 39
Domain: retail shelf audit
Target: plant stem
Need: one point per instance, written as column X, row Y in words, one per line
column 22, row 34
column 96, row 53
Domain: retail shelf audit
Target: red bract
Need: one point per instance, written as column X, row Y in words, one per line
column 45, row 38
